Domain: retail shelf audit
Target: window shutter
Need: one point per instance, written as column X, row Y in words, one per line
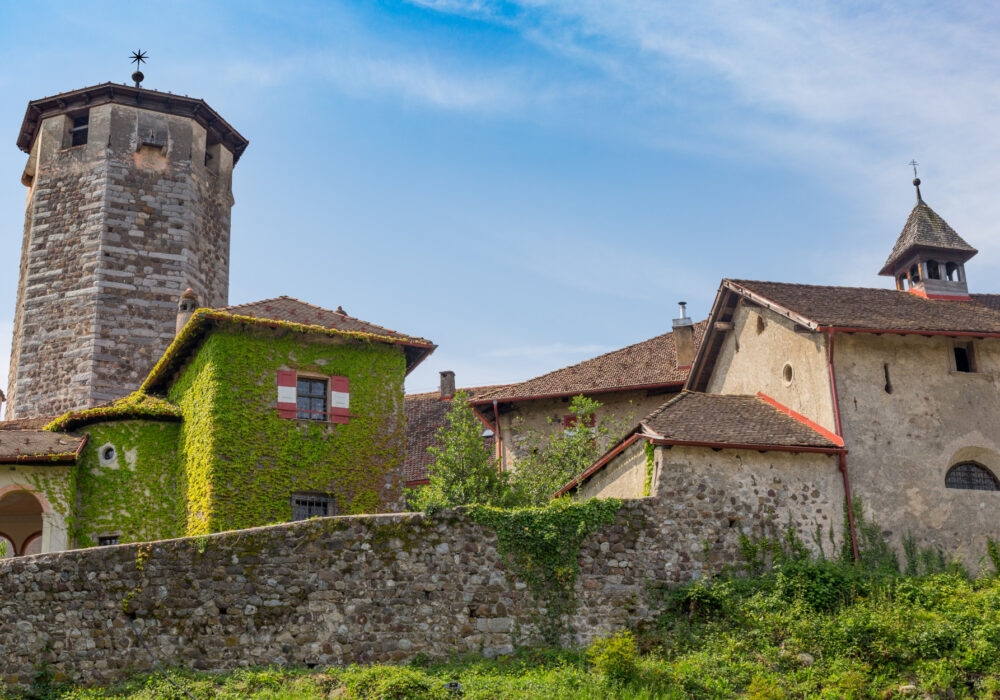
column 568, row 421
column 286, row 393
column 340, row 400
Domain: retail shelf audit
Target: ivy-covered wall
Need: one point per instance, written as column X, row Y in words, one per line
column 127, row 482
column 242, row 462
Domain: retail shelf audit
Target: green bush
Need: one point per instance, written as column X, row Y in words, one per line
column 392, row 683
column 615, row 657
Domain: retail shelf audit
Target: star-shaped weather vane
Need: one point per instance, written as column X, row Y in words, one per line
column 138, row 58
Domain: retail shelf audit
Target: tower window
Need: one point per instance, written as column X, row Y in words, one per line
column 311, row 399
column 312, row 505
column 964, row 357
column 969, row 475
column 951, row 272
column 78, row 132
column 933, row 270
column 914, row 275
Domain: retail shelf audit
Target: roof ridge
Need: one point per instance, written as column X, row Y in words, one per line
column 318, row 308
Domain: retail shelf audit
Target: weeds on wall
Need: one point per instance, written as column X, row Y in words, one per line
column 542, row 546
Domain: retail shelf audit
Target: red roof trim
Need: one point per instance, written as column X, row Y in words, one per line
column 589, row 392
column 417, row 482
column 832, row 437
column 898, row 331
column 940, row 297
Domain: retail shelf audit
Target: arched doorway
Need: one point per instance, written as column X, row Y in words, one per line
column 20, row 522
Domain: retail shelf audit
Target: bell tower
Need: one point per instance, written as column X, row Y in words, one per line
column 929, row 256
column 129, row 199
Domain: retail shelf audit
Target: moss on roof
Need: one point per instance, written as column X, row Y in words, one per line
column 138, row 404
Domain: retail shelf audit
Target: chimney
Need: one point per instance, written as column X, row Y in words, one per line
column 683, row 338
column 447, row 384
column 185, row 308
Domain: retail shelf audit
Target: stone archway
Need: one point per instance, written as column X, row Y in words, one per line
column 21, row 521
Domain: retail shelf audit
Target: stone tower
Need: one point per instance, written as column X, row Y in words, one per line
column 129, row 198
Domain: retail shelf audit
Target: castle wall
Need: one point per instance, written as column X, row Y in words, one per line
column 115, row 230
column 903, row 443
column 326, row 591
column 755, row 353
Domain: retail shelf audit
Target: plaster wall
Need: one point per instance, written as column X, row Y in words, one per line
column 622, row 477
column 754, row 355
column 903, row 443
column 624, row 408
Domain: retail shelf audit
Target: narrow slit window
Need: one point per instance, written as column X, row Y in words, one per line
column 888, row 381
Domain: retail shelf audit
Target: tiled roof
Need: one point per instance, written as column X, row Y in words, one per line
column 925, row 229
column 735, row 419
column 296, row 311
column 649, row 363
column 26, row 423
column 886, row 309
column 425, row 414
column 39, row 445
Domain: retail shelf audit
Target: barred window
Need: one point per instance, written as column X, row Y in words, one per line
column 969, row 475
column 311, row 399
column 107, row 540
column 312, row 505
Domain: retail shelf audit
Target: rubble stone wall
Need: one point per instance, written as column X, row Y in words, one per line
column 325, row 591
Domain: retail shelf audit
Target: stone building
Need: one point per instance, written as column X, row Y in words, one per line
column 265, row 412
column 901, row 383
column 129, row 197
column 628, row 382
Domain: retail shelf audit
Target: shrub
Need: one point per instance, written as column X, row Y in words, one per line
column 392, row 683
column 616, row 657
column 823, row 585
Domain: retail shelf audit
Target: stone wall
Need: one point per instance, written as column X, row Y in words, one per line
column 115, row 230
column 323, row 591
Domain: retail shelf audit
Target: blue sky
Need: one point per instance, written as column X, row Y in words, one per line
column 529, row 184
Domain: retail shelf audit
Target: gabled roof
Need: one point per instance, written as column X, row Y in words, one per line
column 27, row 423
column 887, row 309
column 203, row 320
column 651, row 363
column 40, row 446
column 735, row 421
column 136, row 406
column 925, row 229
column 425, row 414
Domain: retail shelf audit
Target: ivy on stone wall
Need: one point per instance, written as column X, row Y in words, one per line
column 136, row 494
column 242, row 462
column 647, row 483
column 542, row 545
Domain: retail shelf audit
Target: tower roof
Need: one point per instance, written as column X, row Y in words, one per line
column 925, row 229
column 219, row 130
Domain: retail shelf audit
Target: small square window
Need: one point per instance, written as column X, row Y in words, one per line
column 964, row 357
column 312, row 505
column 311, row 399
column 107, row 540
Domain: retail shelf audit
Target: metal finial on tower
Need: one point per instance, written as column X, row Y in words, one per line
column 138, row 58
column 916, row 180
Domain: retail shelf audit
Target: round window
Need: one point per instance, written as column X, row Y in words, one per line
column 786, row 373
column 107, row 453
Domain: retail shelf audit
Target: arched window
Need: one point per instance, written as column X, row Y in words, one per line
column 933, row 271
column 969, row 475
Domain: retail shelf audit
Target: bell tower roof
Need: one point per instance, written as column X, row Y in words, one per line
column 926, row 231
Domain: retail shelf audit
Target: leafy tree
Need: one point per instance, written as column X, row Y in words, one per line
column 464, row 470
column 549, row 459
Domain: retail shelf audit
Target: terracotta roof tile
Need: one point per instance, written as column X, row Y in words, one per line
column 425, row 414
column 649, row 363
column 730, row 419
column 886, row 309
column 22, row 445
column 286, row 308
column 26, row 423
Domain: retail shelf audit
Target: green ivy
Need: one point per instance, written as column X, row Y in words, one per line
column 647, row 483
column 242, row 462
column 140, row 497
column 138, row 404
column 542, row 545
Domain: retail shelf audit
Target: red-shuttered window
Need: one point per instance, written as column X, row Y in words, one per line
column 305, row 397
